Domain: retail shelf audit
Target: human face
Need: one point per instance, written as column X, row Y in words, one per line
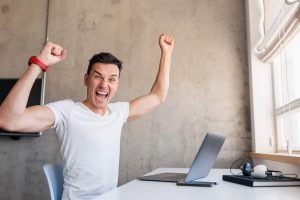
column 102, row 83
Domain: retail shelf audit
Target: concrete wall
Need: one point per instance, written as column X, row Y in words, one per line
column 208, row 90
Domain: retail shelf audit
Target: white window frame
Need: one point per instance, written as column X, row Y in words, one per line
column 260, row 83
column 262, row 99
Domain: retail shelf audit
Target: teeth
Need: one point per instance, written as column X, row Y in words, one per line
column 102, row 93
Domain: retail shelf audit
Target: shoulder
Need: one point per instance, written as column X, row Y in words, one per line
column 61, row 106
column 61, row 103
column 121, row 109
column 118, row 106
column 62, row 110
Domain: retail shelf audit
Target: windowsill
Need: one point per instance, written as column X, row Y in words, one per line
column 279, row 157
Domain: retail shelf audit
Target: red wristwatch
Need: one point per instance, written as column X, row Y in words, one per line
column 35, row 60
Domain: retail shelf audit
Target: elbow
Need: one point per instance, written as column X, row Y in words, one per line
column 7, row 124
column 1, row 124
column 1, row 121
column 160, row 94
column 162, row 99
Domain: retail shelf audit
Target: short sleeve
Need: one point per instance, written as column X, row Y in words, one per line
column 62, row 111
column 122, row 108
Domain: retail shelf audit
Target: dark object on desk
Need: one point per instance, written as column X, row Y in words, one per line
column 201, row 165
column 196, row 183
column 270, row 181
column 164, row 177
column 247, row 168
column 178, row 178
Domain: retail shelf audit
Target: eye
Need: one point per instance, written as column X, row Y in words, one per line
column 97, row 76
column 112, row 80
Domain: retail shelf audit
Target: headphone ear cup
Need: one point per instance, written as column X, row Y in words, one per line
column 247, row 169
column 260, row 171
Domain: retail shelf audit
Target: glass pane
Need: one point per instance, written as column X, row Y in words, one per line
column 281, row 130
column 286, row 68
column 278, row 83
column 293, row 69
column 295, row 131
column 288, row 125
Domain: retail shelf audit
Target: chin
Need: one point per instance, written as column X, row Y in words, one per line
column 101, row 105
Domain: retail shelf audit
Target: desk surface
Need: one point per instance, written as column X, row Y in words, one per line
column 147, row 190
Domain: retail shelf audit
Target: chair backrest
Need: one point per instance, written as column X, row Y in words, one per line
column 54, row 174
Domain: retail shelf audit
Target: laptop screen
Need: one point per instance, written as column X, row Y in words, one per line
column 205, row 157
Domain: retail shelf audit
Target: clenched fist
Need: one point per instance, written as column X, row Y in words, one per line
column 52, row 54
column 166, row 43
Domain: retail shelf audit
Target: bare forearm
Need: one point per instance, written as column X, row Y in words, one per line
column 144, row 104
column 161, row 85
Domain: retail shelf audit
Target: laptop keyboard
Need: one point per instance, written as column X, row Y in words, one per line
column 175, row 177
column 164, row 177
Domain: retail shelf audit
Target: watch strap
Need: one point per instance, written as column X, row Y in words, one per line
column 35, row 60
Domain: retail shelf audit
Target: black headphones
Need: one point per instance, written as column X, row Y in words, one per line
column 258, row 171
column 249, row 169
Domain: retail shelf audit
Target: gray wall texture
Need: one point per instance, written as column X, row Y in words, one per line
column 208, row 88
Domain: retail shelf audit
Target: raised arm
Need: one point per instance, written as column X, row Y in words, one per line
column 14, row 116
column 144, row 104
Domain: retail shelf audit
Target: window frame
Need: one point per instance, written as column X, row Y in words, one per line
column 262, row 102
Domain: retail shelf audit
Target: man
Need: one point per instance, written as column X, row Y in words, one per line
column 89, row 131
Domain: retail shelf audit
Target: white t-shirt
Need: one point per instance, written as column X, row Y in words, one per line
column 89, row 146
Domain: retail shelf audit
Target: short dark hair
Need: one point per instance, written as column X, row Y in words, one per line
column 106, row 58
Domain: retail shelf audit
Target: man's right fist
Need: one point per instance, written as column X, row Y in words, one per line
column 52, row 54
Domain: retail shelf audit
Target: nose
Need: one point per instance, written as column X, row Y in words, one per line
column 103, row 83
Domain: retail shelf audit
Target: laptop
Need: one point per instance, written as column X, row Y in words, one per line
column 201, row 165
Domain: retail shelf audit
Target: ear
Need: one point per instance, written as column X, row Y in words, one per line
column 86, row 77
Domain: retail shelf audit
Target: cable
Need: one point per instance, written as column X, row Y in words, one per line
column 244, row 160
column 288, row 175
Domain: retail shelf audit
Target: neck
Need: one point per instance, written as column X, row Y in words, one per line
column 101, row 111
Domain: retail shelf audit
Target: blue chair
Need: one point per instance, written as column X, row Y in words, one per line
column 54, row 174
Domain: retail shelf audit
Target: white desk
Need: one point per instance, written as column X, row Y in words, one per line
column 148, row 190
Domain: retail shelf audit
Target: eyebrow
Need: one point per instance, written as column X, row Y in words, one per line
column 113, row 75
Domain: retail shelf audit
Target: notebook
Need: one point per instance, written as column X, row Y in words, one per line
column 269, row 181
column 200, row 168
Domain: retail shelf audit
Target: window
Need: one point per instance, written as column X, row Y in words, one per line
column 286, row 82
column 274, row 73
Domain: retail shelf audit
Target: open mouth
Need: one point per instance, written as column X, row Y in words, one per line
column 101, row 95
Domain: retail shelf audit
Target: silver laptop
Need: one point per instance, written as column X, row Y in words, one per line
column 201, row 165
